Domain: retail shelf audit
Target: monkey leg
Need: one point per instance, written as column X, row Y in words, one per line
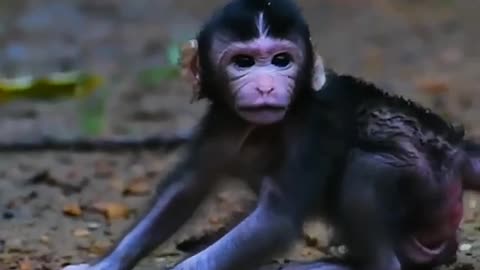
column 367, row 197
column 319, row 265
column 267, row 229
column 177, row 199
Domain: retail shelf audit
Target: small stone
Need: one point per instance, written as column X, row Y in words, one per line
column 44, row 239
column 472, row 204
column 160, row 260
column 465, row 247
column 342, row 249
column 81, row 233
column 93, row 226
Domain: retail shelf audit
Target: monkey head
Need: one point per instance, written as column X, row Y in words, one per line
column 255, row 57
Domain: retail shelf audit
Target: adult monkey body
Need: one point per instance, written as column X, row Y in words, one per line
column 360, row 158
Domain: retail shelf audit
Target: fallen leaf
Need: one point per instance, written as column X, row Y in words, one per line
column 112, row 210
column 432, row 86
column 100, row 247
column 137, row 187
column 72, row 209
column 25, row 264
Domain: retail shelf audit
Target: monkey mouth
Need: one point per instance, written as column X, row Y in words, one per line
column 262, row 108
column 262, row 114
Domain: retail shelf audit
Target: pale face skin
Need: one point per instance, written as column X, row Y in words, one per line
column 261, row 74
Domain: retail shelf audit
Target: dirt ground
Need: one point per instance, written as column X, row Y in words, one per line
column 424, row 49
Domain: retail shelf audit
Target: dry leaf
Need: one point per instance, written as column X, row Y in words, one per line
column 112, row 210
column 72, row 209
column 100, row 247
column 81, row 233
column 138, row 186
column 25, row 264
column 432, row 86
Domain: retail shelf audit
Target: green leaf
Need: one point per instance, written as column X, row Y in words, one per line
column 153, row 77
column 93, row 113
column 54, row 86
column 173, row 54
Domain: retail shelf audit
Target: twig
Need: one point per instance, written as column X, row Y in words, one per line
column 100, row 145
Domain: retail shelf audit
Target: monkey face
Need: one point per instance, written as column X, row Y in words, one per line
column 258, row 74
column 261, row 76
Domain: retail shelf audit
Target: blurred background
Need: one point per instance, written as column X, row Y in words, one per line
column 424, row 49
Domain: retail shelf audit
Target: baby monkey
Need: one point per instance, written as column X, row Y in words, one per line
column 385, row 172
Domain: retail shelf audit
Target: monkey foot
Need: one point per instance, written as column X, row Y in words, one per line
column 84, row 266
column 317, row 266
column 78, row 267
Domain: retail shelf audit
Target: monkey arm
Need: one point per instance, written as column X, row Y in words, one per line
column 177, row 199
column 286, row 198
column 266, row 230
column 162, row 220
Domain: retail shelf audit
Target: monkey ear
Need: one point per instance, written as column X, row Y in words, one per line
column 318, row 78
column 190, row 66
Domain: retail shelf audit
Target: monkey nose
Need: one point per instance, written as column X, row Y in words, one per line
column 263, row 89
column 265, row 84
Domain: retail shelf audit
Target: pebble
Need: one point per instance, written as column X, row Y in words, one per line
column 93, row 226
column 44, row 239
column 81, row 233
column 160, row 260
column 465, row 247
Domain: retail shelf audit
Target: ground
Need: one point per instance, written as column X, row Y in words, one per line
column 423, row 49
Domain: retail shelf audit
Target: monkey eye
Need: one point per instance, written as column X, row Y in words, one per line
column 282, row 60
column 243, row 61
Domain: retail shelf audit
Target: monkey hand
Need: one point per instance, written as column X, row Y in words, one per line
column 78, row 267
column 99, row 266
